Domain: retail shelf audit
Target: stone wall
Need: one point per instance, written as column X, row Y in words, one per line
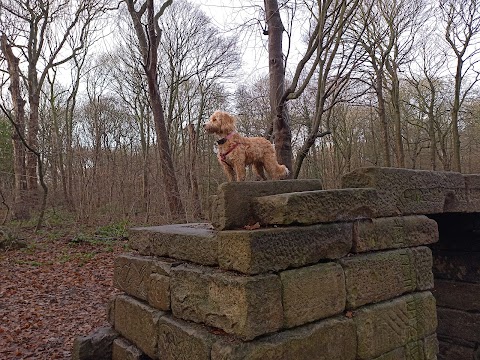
column 293, row 272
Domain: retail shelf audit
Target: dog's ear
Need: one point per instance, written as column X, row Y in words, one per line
column 228, row 123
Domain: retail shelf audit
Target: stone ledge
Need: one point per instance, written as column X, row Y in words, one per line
column 415, row 191
column 393, row 232
column 195, row 242
column 246, row 306
column 232, row 206
column 387, row 326
column 265, row 250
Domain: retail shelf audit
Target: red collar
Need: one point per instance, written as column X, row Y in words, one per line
column 224, row 140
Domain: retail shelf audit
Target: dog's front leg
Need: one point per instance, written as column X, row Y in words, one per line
column 228, row 169
column 240, row 170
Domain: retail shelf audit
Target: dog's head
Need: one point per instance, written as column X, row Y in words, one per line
column 220, row 123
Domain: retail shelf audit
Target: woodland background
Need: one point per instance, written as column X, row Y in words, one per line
column 103, row 102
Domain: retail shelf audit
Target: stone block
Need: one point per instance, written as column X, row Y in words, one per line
column 387, row 326
column 312, row 293
column 247, row 306
column 397, row 354
column 472, row 184
column 265, row 250
column 413, row 191
column 451, row 351
column 123, row 350
column 131, row 274
column 138, row 322
column 158, row 291
column 195, row 242
column 431, row 347
column 178, row 339
column 95, row 346
column 456, row 324
column 458, row 265
column 313, row 207
column 393, row 232
column 422, row 264
column 329, row 339
column 232, row 208
column 457, row 295
column 379, row 276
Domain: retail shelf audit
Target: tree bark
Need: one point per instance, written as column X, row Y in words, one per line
column 19, row 209
column 281, row 127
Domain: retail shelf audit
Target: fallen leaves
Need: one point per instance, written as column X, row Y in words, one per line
column 50, row 293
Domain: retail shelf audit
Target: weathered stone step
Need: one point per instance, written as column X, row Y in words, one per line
column 323, row 206
column 195, row 242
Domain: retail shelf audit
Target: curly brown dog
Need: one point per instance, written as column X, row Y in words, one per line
column 235, row 152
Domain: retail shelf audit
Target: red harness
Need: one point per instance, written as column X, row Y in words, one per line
column 230, row 149
column 223, row 156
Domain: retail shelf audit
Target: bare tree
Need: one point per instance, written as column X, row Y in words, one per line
column 280, row 121
column 462, row 30
column 36, row 33
column 329, row 59
column 149, row 40
column 19, row 208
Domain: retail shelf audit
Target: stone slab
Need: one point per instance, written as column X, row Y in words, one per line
column 323, row 206
column 457, row 324
column 393, row 232
column 195, row 242
column 329, row 339
column 124, row 350
column 457, row 295
column 246, row 306
column 132, row 273
column 274, row 249
column 413, row 191
column 381, row 276
column 138, row 322
column 232, row 207
column 178, row 339
column 389, row 325
column 312, row 293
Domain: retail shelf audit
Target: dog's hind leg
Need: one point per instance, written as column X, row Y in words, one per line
column 259, row 172
column 274, row 169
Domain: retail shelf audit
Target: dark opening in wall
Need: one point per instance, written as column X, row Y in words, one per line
column 456, row 268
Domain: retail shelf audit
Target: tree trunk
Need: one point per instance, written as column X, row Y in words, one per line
column 281, row 127
column 168, row 172
column 454, row 112
column 383, row 118
column 20, row 209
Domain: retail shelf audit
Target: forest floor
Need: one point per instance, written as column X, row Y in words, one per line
column 54, row 288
